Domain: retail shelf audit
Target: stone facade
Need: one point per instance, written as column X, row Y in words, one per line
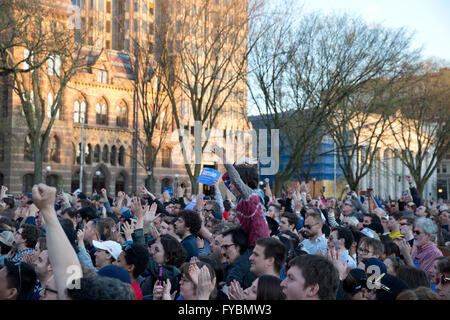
column 101, row 90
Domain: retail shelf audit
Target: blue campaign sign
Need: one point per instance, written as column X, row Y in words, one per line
column 170, row 189
column 209, row 176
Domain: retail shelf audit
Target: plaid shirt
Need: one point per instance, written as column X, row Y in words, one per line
column 18, row 256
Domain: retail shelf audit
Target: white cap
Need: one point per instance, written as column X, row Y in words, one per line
column 7, row 238
column 112, row 247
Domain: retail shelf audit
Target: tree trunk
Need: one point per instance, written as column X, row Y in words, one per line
column 37, row 163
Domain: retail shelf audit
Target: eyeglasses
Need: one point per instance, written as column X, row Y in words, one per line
column 226, row 246
column 442, row 279
column 309, row 226
column 402, row 223
column 417, row 232
column 363, row 251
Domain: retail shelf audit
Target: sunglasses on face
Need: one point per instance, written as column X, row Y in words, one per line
column 309, row 226
column 209, row 210
column 417, row 232
column 443, row 279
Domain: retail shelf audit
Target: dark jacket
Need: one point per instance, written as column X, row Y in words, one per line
column 240, row 270
column 147, row 280
column 151, row 274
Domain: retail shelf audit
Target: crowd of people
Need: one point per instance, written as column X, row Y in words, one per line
column 255, row 247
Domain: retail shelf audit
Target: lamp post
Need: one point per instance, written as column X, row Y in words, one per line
column 97, row 174
column 314, row 187
column 176, row 180
column 82, row 152
column 149, row 173
column 47, row 170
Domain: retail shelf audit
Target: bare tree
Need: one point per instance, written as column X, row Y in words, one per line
column 151, row 101
column 207, row 61
column 303, row 77
column 421, row 130
column 44, row 73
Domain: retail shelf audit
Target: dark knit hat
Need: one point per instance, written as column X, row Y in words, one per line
column 113, row 271
column 391, row 287
column 375, row 262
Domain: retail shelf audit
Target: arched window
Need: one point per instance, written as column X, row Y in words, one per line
column 102, row 75
column 165, row 183
column 113, row 155
column 120, row 183
column 49, row 105
column 27, row 183
column 122, row 116
column 79, row 111
column 54, row 149
column 122, row 156
column 97, row 154
column 52, row 180
column 165, row 154
column 75, row 182
column 105, row 154
column 88, row 154
column 79, row 153
column 74, row 154
column 101, row 111
column 28, row 151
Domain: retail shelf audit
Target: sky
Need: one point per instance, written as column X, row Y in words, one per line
column 430, row 19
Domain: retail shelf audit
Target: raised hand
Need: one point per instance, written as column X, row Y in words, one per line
column 180, row 192
column 166, row 196
column 235, row 291
column 128, row 230
column 194, row 271
column 335, row 256
column 136, row 207
column 44, row 197
column 104, row 194
column 150, row 213
column 218, row 151
column 158, row 291
column 80, row 238
column 200, row 242
column 205, row 286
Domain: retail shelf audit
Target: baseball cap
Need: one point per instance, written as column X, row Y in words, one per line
column 125, row 213
column 7, row 238
column 369, row 233
column 112, row 247
column 116, row 272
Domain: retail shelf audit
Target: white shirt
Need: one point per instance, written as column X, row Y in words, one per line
column 312, row 247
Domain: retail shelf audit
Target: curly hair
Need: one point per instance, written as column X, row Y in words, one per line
column 174, row 252
column 31, row 234
column 138, row 256
column 192, row 221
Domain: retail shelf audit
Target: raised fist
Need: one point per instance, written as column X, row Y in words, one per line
column 44, row 196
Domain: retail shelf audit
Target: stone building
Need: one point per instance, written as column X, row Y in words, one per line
column 103, row 95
